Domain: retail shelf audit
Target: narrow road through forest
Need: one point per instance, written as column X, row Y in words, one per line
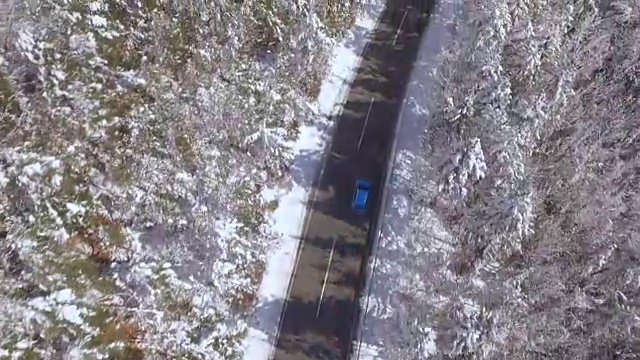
column 320, row 315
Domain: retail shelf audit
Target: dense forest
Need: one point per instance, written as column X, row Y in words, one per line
column 531, row 165
column 526, row 215
column 135, row 140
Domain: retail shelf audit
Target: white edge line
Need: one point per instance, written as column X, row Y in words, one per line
column 326, row 276
column 364, row 127
column 399, row 27
column 378, row 232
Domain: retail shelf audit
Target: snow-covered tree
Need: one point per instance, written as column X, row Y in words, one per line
column 530, row 164
column 135, row 140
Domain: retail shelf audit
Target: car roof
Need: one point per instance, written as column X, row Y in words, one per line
column 360, row 198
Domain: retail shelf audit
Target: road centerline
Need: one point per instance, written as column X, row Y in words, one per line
column 326, row 277
column 364, row 127
column 399, row 27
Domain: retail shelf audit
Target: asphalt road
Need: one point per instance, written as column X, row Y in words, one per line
column 321, row 312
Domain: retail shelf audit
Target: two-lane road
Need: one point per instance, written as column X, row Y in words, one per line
column 321, row 311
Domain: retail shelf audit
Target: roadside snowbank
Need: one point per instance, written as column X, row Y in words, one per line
column 288, row 218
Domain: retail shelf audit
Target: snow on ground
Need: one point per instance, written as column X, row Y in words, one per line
column 288, row 218
column 391, row 307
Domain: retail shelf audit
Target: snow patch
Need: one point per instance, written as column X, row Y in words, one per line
column 83, row 44
column 75, row 209
column 72, row 314
column 369, row 352
column 401, row 204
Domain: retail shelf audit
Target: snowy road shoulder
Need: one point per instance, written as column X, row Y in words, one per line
column 394, row 255
column 288, row 218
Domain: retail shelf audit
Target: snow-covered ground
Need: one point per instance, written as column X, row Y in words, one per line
column 387, row 321
column 308, row 151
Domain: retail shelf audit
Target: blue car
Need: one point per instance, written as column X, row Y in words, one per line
column 361, row 195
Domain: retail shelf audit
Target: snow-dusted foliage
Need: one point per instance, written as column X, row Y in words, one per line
column 531, row 165
column 135, row 139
